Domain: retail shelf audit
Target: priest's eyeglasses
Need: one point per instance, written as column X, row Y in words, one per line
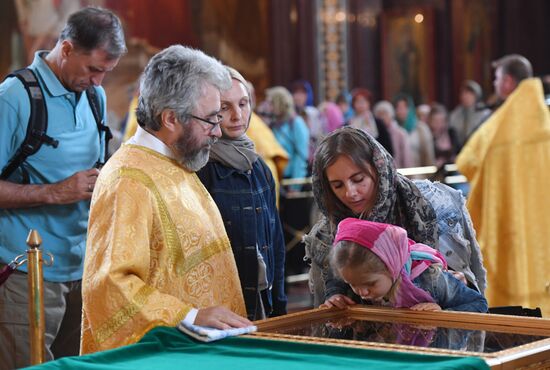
column 216, row 122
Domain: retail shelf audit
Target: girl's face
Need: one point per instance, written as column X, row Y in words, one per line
column 235, row 110
column 368, row 285
column 354, row 187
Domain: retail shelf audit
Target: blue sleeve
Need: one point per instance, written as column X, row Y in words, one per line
column 279, row 250
column 301, row 138
column 450, row 293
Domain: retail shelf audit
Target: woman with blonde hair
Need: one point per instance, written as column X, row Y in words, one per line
column 242, row 186
column 290, row 130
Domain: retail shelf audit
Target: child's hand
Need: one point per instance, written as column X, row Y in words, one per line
column 338, row 300
column 426, row 306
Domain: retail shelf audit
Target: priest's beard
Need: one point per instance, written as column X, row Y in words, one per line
column 192, row 154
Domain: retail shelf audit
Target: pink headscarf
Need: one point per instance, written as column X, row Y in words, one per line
column 333, row 116
column 402, row 256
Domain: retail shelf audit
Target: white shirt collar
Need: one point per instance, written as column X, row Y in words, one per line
column 144, row 138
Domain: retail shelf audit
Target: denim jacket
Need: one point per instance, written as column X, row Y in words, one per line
column 450, row 293
column 246, row 200
column 457, row 238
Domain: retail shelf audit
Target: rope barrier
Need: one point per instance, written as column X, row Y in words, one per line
column 10, row 268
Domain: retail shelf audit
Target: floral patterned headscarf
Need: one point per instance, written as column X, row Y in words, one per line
column 398, row 201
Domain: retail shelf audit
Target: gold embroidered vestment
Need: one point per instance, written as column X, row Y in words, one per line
column 506, row 161
column 157, row 247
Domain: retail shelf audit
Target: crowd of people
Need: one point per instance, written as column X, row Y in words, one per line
column 427, row 135
column 182, row 222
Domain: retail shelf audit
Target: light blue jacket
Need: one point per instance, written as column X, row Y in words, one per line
column 294, row 138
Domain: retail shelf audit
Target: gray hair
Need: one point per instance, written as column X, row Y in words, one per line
column 174, row 79
column 95, row 28
column 384, row 106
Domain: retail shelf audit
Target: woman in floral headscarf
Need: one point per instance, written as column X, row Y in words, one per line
column 354, row 176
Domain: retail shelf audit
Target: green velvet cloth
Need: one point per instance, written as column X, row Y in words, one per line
column 167, row 348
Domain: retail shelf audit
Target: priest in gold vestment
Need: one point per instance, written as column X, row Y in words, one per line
column 507, row 164
column 157, row 250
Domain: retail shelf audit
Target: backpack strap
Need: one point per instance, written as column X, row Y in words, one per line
column 103, row 130
column 36, row 127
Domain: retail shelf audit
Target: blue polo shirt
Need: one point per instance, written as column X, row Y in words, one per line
column 71, row 122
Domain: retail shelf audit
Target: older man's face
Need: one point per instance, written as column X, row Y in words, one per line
column 80, row 70
column 196, row 137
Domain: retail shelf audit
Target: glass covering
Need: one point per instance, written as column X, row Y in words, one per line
column 410, row 334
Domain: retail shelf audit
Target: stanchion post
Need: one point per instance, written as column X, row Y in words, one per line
column 36, row 297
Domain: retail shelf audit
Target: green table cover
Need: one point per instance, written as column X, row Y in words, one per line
column 168, row 348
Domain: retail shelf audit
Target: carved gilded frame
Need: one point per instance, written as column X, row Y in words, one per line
column 535, row 355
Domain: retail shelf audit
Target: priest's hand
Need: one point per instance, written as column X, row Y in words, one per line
column 220, row 317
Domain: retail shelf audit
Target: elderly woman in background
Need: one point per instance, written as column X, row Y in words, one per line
column 289, row 129
column 402, row 157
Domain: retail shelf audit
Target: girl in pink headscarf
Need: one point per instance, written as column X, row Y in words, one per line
column 384, row 267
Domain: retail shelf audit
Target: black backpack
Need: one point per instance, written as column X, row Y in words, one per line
column 37, row 127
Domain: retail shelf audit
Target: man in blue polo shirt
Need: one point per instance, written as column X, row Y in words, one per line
column 51, row 190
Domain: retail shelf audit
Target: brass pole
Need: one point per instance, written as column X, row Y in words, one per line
column 36, row 300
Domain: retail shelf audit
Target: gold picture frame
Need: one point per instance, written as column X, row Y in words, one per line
column 504, row 342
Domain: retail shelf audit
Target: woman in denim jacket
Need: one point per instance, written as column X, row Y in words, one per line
column 383, row 266
column 242, row 186
column 354, row 176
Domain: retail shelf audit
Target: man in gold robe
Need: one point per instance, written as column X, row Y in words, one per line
column 157, row 250
column 506, row 162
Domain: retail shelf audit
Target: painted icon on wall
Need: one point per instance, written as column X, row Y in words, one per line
column 408, row 53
